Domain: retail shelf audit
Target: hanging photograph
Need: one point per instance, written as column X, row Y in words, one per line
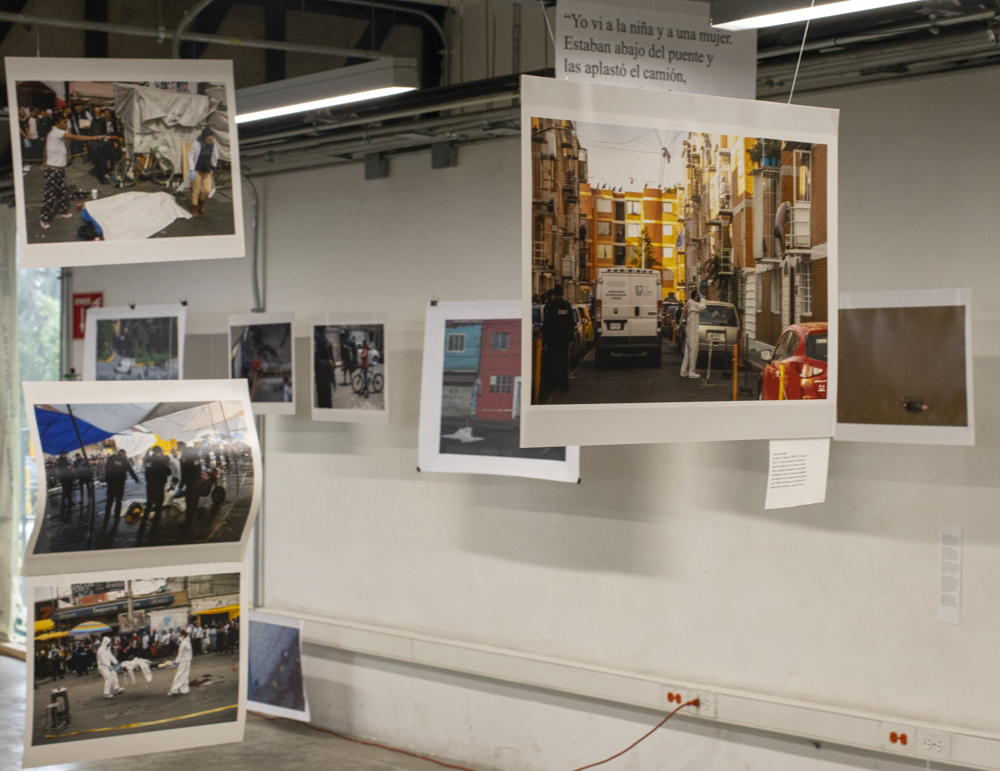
column 472, row 392
column 907, row 355
column 124, row 160
column 275, row 681
column 131, row 662
column 141, row 343
column 261, row 351
column 350, row 370
column 679, row 266
column 139, row 474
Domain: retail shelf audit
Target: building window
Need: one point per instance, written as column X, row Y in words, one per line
column 605, row 252
column 668, row 230
column 603, row 228
column 806, row 287
column 803, row 176
column 668, row 252
column 619, row 255
column 634, row 207
column 604, row 206
column 668, row 207
column 668, row 277
column 758, row 288
column 501, row 384
column 500, row 341
column 619, row 210
column 456, row 343
column 774, row 278
column 619, row 233
column 633, row 230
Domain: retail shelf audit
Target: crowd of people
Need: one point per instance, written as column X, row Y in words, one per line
column 65, row 657
column 82, row 123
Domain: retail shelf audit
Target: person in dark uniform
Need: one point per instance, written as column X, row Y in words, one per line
column 323, row 364
column 347, row 354
column 157, row 469
column 67, row 478
column 557, row 333
column 116, row 471
column 85, row 478
column 190, row 479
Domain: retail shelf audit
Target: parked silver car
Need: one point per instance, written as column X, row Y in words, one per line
column 719, row 329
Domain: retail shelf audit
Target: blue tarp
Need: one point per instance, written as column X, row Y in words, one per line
column 55, row 429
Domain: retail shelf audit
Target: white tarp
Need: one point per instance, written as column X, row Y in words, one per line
column 152, row 117
column 132, row 216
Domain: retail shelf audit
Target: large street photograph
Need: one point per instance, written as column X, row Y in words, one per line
column 261, row 352
column 349, row 373
column 110, row 154
column 115, row 660
column 123, row 476
column 676, row 266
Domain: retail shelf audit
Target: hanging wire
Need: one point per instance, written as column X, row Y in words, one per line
column 798, row 64
column 549, row 27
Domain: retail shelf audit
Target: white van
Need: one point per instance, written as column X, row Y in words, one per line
column 627, row 308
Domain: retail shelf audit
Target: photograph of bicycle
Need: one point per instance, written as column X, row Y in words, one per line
column 122, row 161
column 261, row 352
column 348, row 367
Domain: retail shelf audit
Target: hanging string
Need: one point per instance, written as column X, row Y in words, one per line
column 801, row 51
column 549, row 27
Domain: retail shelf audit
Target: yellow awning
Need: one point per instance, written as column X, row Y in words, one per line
column 232, row 610
column 45, row 625
column 51, row 636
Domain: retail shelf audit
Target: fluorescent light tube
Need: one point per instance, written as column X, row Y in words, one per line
column 319, row 104
column 807, row 13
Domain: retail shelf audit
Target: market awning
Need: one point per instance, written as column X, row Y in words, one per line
column 51, row 636
column 232, row 610
column 91, row 423
column 44, row 625
column 90, row 627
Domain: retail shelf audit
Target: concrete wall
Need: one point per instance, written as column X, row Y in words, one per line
column 663, row 560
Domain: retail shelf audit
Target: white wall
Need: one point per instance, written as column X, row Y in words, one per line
column 663, row 560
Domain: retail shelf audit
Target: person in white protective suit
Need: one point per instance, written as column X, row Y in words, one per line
column 142, row 665
column 105, row 662
column 180, row 684
column 692, row 313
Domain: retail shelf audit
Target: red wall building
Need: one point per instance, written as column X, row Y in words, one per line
column 499, row 369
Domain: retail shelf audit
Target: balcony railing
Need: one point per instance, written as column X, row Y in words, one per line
column 800, row 227
column 726, row 262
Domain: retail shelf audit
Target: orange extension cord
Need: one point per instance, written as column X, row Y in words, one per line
column 692, row 703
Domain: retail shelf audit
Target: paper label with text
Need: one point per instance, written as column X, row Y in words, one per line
column 796, row 474
column 671, row 48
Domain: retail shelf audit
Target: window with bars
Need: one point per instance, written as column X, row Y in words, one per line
column 805, row 287
column 500, row 341
column 775, row 279
column 501, row 384
column 456, row 343
column 803, row 176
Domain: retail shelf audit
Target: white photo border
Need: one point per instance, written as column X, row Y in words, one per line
column 128, row 312
column 605, row 424
column 880, row 432
column 79, row 253
column 124, row 392
column 259, row 319
column 430, row 457
column 259, row 706
column 336, row 415
column 105, row 748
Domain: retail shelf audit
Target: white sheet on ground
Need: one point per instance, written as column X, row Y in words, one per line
column 133, row 216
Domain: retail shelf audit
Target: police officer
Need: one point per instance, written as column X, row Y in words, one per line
column 67, row 478
column 557, row 334
column 85, row 477
column 116, row 472
column 157, row 469
column 323, row 366
column 190, row 478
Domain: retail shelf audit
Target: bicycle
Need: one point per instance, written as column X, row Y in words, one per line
column 375, row 382
column 149, row 165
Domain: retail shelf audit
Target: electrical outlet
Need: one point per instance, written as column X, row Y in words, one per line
column 935, row 745
column 673, row 696
column 899, row 738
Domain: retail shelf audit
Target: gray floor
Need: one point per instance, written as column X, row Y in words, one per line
column 267, row 744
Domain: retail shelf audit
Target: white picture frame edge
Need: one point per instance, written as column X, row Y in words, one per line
column 429, row 456
column 668, row 422
column 259, row 706
column 73, row 254
column 128, row 312
column 141, row 391
column 105, row 748
column 942, row 435
column 251, row 319
column 335, row 415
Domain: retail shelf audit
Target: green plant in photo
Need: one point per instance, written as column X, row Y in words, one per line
column 105, row 338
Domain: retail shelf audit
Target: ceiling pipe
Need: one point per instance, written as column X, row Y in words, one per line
column 186, row 21
column 160, row 35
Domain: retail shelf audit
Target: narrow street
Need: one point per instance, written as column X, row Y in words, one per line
column 84, row 526
column 630, row 380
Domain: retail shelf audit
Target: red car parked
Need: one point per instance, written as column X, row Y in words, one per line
column 801, row 350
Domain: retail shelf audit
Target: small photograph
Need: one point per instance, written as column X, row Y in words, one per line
column 261, row 351
column 110, row 154
column 142, row 343
column 142, row 476
column 276, row 684
column 471, row 396
column 349, row 369
column 892, row 394
column 127, row 666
